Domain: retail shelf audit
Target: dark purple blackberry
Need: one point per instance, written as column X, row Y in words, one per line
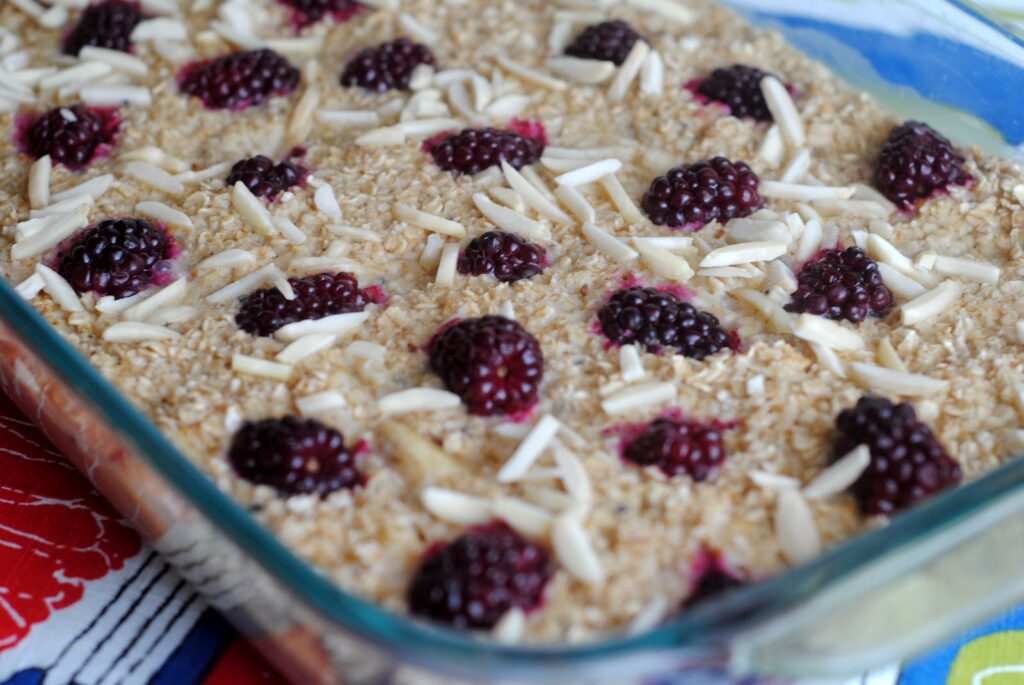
column 712, row 582
column 679, row 447
column 506, row 256
column 264, row 311
column 655, row 319
column 240, row 79
column 71, row 135
column 108, row 24
column 916, row 162
column 295, row 457
column 117, row 257
column 692, row 195
column 739, row 88
column 472, row 581
column 609, row 41
column 263, row 177
column 387, row 66
column 841, row 284
column 908, row 463
column 310, row 11
column 492, row 363
column 474, row 149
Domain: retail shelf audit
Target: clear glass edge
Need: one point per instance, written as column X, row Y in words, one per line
column 425, row 644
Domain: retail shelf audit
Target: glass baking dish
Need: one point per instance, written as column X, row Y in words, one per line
column 878, row 598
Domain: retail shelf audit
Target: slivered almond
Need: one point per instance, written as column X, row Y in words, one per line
column 335, row 324
column 894, row 382
column 650, row 617
column 305, row 346
column 639, row 396
column 289, row 230
column 663, row 263
column 667, row 9
column 533, row 197
column 751, row 230
column 164, row 213
column 39, row 182
column 672, row 243
column 213, row 171
column 447, row 265
column 348, row 118
column 227, row 259
column 798, row 166
column 828, row 359
column 561, row 165
column 160, row 29
column 883, row 251
column 810, row 241
column 558, row 38
column 924, row 259
column 529, row 450
column 930, row 304
column 135, row 331
column 94, row 188
column 62, row 207
column 456, row 507
column 779, row 320
column 842, row 474
column 781, row 275
column 967, row 269
column 30, row 287
column 326, row 203
column 726, row 272
column 793, row 191
column 508, row 198
column 589, row 173
column 417, row 29
column 901, row 285
column 426, row 128
column 169, row 294
column 529, row 75
column 859, row 208
column 251, row 209
column 422, row 77
column 531, row 175
column 253, row 366
column 630, row 363
column 573, row 549
column 621, row 199
column 59, row 289
column 507, row 106
column 826, row 332
column 744, row 253
column 154, row 177
column 417, row 399
column 353, row 232
column 430, row 222
column 586, row 154
column 507, row 220
column 61, row 229
column 320, row 402
column 526, row 518
column 172, row 314
column 116, row 96
column 795, row 529
column 509, row 628
column 652, row 74
column 120, row 61
column 300, row 124
column 628, row 71
column 574, row 475
column 577, row 204
column 773, row 147
column 608, row 244
column 382, row 137
column 784, row 112
column 243, row 285
column 888, row 357
column 773, row 481
column 583, row 71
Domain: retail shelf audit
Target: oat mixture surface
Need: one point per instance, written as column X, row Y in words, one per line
column 646, row 530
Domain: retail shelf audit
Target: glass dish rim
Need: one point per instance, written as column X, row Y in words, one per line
column 424, row 643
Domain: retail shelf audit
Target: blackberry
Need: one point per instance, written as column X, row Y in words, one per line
column 692, row 195
column 117, row 257
column 71, row 135
column 712, row 582
column 264, row 311
column 108, row 24
column 609, row 41
column 263, row 177
column 387, row 66
column 655, row 319
column 506, row 256
column 917, row 161
column 908, row 463
column 679, row 447
column 841, row 284
column 475, row 149
column 739, row 88
column 294, row 456
column 491, row 362
column 472, row 581
column 240, row 79
column 310, row 11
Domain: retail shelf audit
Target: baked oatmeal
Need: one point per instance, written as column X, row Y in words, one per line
column 544, row 319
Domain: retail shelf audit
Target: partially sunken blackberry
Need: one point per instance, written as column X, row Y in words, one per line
column 841, row 284
column 506, row 256
column 679, row 447
column 263, row 177
column 264, row 311
column 609, row 41
column 107, row 24
column 692, row 195
column 916, row 162
column 239, row 80
column 475, row 149
column 471, row 582
column 908, row 463
column 310, row 11
column 117, row 257
column 387, row 66
column 713, row 582
column 71, row 135
column 295, row 457
column 739, row 88
column 492, row 363
column 655, row 319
